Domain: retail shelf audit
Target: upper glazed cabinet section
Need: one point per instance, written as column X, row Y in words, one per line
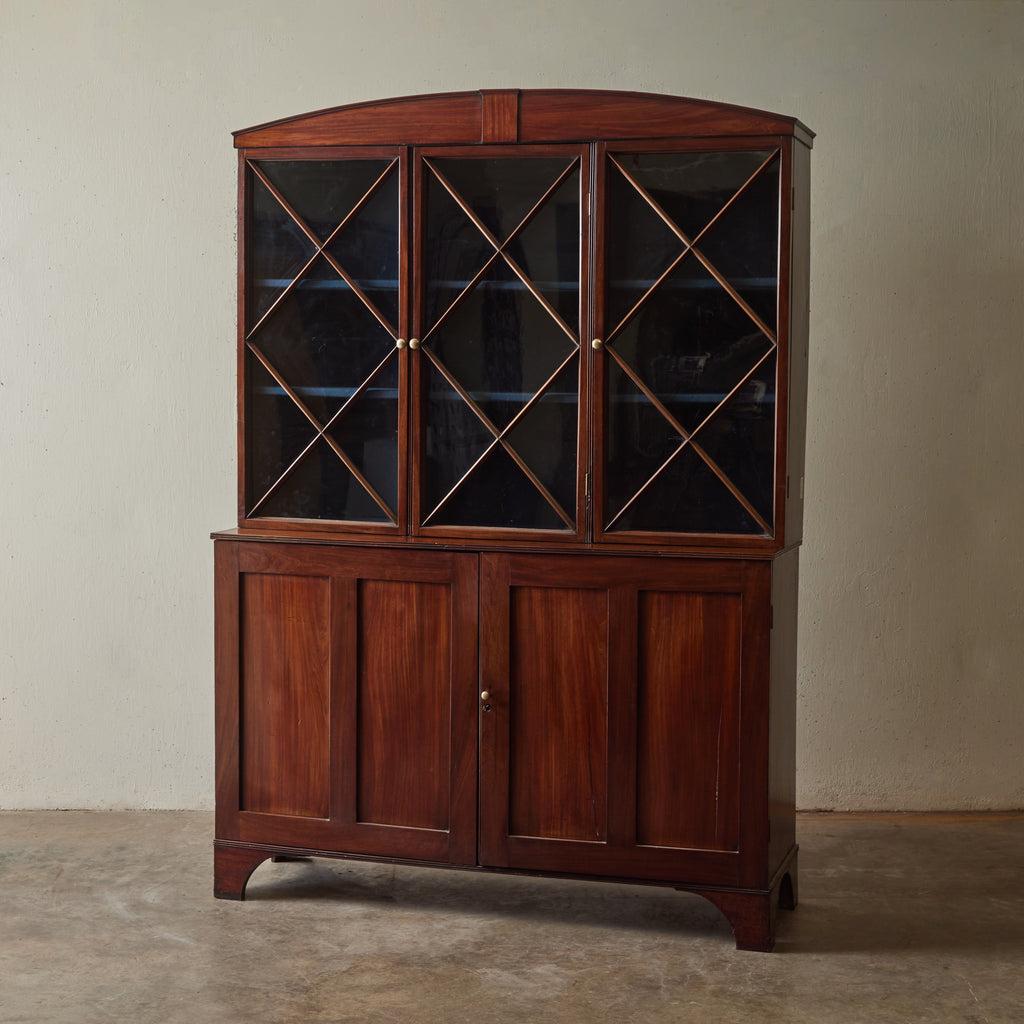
column 525, row 316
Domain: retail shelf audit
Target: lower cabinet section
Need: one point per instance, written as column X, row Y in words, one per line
column 591, row 715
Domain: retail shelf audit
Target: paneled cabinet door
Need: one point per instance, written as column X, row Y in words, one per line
column 622, row 727
column 322, row 332
column 346, row 700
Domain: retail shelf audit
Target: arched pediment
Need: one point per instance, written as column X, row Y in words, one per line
column 518, row 115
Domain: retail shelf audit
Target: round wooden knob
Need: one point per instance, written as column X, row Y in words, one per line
column 400, row 343
column 485, row 696
column 414, row 343
column 597, row 344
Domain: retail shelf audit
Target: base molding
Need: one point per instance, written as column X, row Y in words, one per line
column 751, row 913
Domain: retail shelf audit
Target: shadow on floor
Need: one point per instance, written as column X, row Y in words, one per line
column 853, row 923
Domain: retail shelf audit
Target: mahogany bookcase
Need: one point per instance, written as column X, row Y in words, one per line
column 521, row 388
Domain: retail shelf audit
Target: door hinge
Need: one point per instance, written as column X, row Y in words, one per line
column 586, row 486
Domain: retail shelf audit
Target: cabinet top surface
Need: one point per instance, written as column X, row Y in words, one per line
column 518, row 115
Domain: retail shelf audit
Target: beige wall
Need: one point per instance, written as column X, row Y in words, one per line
column 117, row 342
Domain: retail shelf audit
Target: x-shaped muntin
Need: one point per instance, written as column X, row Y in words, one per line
column 690, row 246
column 320, row 249
column 500, row 436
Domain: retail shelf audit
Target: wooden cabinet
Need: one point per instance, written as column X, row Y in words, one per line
column 521, row 395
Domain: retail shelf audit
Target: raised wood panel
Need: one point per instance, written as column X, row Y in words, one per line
column 688, row 720
column 285, row 695
column 558, row 707
column 404, row 704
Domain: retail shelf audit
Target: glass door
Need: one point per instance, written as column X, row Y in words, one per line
column 499, row 308
column 688, row 341
column 322, row 319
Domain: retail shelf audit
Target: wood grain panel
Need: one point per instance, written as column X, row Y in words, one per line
column 438, row 118
column 550, row 115
column 688, row 720
column 285, row 695
column 404, row 704
column 558, row 741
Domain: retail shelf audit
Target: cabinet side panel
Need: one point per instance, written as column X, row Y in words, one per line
column 782, row 708
column 798, row 342
column 558, row 728
column 688, row 720
column 285, row 712
column 404, row 704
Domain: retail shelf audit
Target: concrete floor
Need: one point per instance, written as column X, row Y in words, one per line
column 108, row 917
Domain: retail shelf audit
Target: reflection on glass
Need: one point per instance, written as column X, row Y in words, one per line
column 500, row 341
column 367, row 248
column 454, row 438
column 276, row 430
column 321, row 487
column 687, row 498
column 691, row 343
column 367, row 431
column 322, row 192
column 740, row 438
column 500, row 344
column 323, row 340
column 498, row 493
column 278, row 250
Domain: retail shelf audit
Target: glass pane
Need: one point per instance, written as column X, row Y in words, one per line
column 323, row 340
column 740, row 438
column 545, row 437
column 640, row 247
column 743, row 244
column 278, row 250
column 322, row 192
column 453, row 251
column 638, row 439
column 687, row 498
column 455, row 438
column 501, row 190
column 498, row 493
column 692, row 187
column 500, row 342
column 321, row 487
column 367, row 248
column 691, row 343
column 367, row 432
column 547, row 250
column 277, row 430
